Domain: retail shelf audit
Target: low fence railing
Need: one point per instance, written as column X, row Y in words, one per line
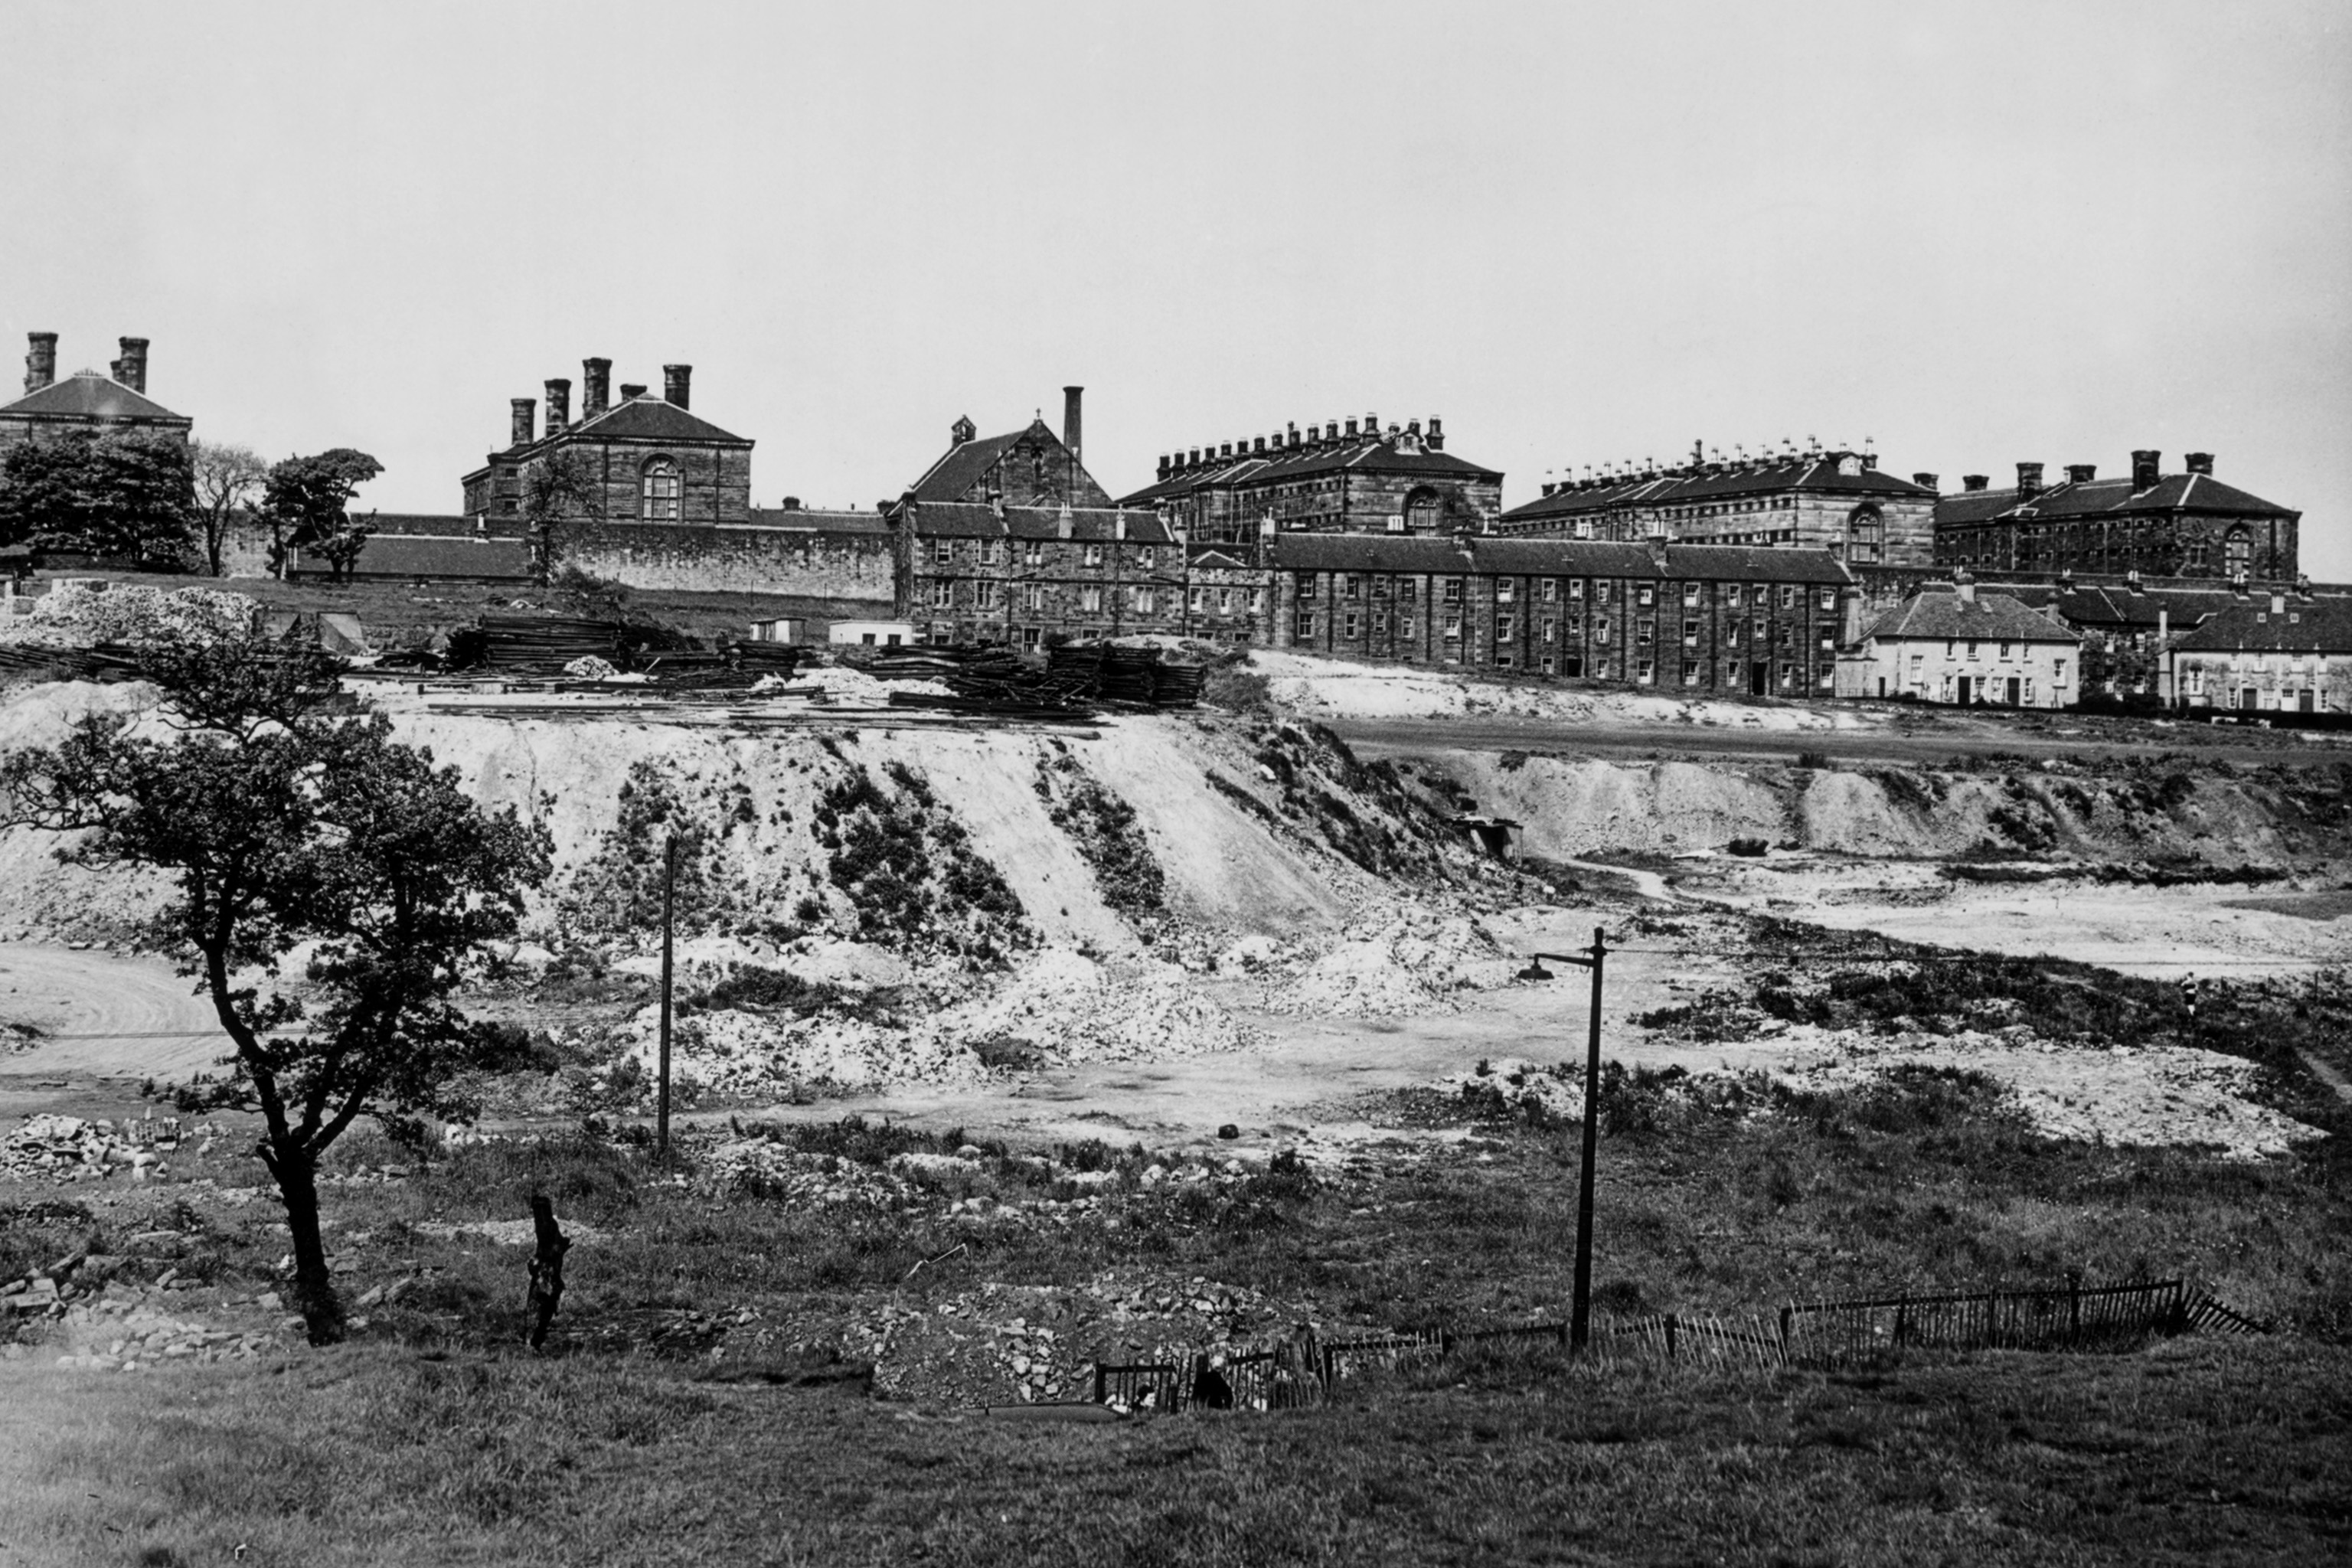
column 1807, row 1334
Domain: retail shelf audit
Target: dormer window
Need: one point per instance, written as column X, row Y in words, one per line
column 661, row 491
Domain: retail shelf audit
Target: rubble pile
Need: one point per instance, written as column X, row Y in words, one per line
column 72, row 1148
column 1417, row 965
column 1068, row 1007
column 1514, row 1087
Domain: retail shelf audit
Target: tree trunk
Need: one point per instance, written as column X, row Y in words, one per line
column 314, row 1288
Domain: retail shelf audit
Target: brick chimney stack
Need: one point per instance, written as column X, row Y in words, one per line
column 559, row 405
column 2199, row 463
column 2029, row 481
column 1072, row 430
column 524, row 410
column 2148, row 468
column 41, row 360
column 631, row 389
column 1975, row 481
column 676, row 385
column 1924, row 481
column 1437, row 433
column 595, row 387
column 131, row 369
column 2082, row 473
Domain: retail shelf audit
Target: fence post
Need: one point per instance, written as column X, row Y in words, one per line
column 1671, row 1325
column 2074, row 1307
column 1786, row 1313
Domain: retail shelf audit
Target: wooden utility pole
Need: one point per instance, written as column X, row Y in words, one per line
column 1579, row 1320
column 669, row 925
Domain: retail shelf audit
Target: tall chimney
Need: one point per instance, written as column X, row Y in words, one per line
column 1437, row 433
column 523, row 410
column 1975, row 481
column 2082, row 473
column 1924, row 481
column 2199, row 463
column 676, row 379
column 2146, row 469
column 1351, row 428
column 595, row 387
column 1071, row 432
column 2029, row 481
column 1965, row 584
column 559, row 405
column 132, row 373
column 41, row 360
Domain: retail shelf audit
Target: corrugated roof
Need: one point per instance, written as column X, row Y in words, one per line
column 1939, row 613
column 90, row 396
column 1684, row 486
column 1539, row 557
column 2304, row 626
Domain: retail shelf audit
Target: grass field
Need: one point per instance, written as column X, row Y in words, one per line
column 433, row 1439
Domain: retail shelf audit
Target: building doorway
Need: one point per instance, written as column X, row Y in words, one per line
column 2302, row 702
column 1960, row 689
column 1759, row 677
column 2248, row 698
column 2014, row 684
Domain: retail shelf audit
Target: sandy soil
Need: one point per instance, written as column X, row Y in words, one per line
column 102, row 1016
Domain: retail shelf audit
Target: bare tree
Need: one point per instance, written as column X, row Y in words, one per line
column 228, row 479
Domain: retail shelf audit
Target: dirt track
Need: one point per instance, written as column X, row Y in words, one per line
column 103, row 1016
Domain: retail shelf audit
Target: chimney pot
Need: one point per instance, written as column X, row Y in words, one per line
column 1351, row 428
column 1373, row 425
column 631, row 389
column 1974, row 482
column 595, row 387
column 1257, row 446
column 2147, row 467
column 2029, row 481
column 524, row 410
column 1924, row 481
column 1072, row 431
column 41, row 360
column 677, row 384
column 1965, row 584
column 1164, row 465
column 559, row 404
column 1436, row 434
column 2199, row 463
column 2082, row 473
column 130, row 370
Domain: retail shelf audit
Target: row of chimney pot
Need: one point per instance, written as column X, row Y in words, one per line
column 2148, row 472
column 1292, row 439
column 595, row 379
column 41, row 363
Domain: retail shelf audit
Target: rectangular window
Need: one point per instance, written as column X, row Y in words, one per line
column 1731, row 634
column 1551, row 590
column 1408, row 589
column 943, row 595
column 1090, row 601
column 1306, row 585
column 1547, row 628
column 1600, row 629
column 1690, row 675
column 1452, row 625
column 2029, row 689
column 1576, row 587
column 1094, row 554
column 1351, row 586
column 1379, row 623
column 1503, row 626
column 1225, row 601
column 1030, row 637
column 1690, row 594
column 1829, row 599
column 2057, row 672
column 1601, row 588
column 1601, row 667
column 1454, row 590
column 1353, row 623
column 1034, row 599
column 1788, row 597
column 1972, row 651
column 1505, row 589
column 943, row 552
column 1649, row 594
column 1033, row 554
column 1731, row 595
column 1646, row 631
column 1200, row 599
column 1404, row 627
column 1690, row 631
column 1257, row 599
column 983, row 593
column 1138, row 598
column 987, row 552
column 1302, row 625
column 1647, row 674
column 1147, row 556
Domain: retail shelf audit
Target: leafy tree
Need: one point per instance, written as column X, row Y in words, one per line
column 558, row 486
column 307, row 503
column 228, row 479
column 278, row 817
column 123, row 494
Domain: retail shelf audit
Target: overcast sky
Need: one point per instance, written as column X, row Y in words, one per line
column 1975, row 233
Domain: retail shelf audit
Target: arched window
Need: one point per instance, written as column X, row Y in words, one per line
column 2238, row 550
column 1865, row 533
column 1420, row 511
column 661, row 491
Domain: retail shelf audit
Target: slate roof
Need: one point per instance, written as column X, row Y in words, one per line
column 977, row 520
column 2304, row 625
column 1938, row 613
column 961, row 467
column 90, row 396
column 1686, row 487
column 1506, row 555
column 1371, row 456
column 813, row 520
column 651, row 420
column 2201, row 493
column 420, row 555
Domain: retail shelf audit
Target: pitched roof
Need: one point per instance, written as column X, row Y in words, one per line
column 650, row 418
column 977, row 520
column 2199, row 493
column 2303, row 625
column 1688, row 487
column 1938, row 612
column 963, row 465
column 90, row 396
column 1378, row 455
column 1541, row 557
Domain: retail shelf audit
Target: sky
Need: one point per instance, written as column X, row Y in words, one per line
column 1973, row 233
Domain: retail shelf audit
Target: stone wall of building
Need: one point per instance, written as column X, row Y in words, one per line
column 849, row 561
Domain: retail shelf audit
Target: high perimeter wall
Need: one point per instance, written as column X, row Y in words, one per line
column 853, row 561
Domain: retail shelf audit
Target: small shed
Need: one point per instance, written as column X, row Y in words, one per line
column 871, row 634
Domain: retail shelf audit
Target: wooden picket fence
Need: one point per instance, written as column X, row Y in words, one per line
column 1807, row 1334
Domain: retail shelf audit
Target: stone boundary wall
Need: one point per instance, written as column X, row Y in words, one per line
column 817, row 562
